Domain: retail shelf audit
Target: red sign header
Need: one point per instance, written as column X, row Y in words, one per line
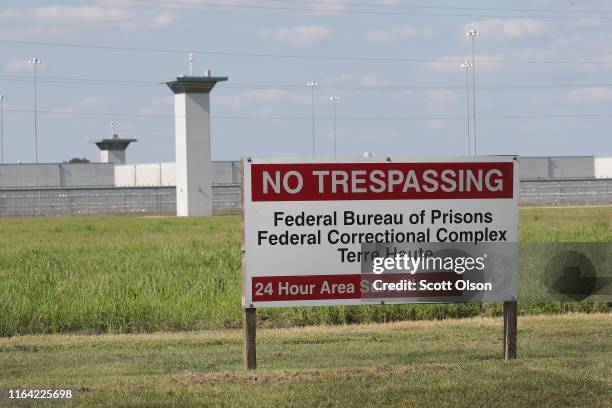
column 381, row 181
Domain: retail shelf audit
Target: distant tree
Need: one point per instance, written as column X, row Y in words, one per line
column 77, row 160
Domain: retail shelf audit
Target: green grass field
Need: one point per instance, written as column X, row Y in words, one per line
column 142, row 274
column 564, row 360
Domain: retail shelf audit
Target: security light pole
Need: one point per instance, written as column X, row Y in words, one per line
column 35, row 61
column 473, row 34
column 312, row 85
column 334, row 99
column 467, row 66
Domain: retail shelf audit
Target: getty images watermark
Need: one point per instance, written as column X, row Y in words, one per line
column 439, row 272
column 424, row 263
column 464, row 272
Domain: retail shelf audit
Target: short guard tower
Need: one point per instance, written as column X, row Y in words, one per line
column 192, row 141
column 113, row 150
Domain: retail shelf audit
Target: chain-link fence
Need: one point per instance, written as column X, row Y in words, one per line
column 566, row 192
column 34, row 202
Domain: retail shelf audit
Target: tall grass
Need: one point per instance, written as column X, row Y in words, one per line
column 129, row 274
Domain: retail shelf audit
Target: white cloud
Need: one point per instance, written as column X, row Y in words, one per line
column 300, row 36
column 483, row 62
column 154, row 22
column 87, row 15
column 117, row 3
column 327, row 6
column 441, row 96
column 161, row 105
column 98, row 101
column 16, row 65
column 163, row 19
column 512, row 28
column 365, row 80
column 258, row 96
column 394, row 34
column 32, row 33
column 436, row 124
column 58, row 13
column 62, row 112
column 372, row 80
column 604, row 61
column 588, row 95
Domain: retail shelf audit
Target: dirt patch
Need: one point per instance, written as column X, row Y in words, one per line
column 188, row 378
column 24, row 348
column 440, row 367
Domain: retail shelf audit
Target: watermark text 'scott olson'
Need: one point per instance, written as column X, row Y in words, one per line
column 315, row 232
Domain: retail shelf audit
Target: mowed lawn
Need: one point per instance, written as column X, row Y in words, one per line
column 128, row 274
column 563, row 360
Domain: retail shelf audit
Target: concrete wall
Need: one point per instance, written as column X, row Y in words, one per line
column 168, row 174
column 557, row 167
column 603, row 167
column 225, row 172
column 164, row 174
column 56, row 175
column 28, row 175
column 534, row 168
column 228, row 172
column 79, row 175
column 572, row 167
column 226, row 198
column 125, row 176
column 145, row 175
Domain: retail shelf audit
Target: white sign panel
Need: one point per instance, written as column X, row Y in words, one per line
column 417, row 230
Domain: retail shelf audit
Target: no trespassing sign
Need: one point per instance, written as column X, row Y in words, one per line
column 318, row 233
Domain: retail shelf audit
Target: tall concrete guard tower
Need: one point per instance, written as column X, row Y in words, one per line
column 192, row 139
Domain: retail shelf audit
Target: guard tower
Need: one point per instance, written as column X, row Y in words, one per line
column 192, row 141
column 113, row 150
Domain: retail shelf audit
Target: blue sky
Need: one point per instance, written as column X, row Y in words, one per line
column 532, row 96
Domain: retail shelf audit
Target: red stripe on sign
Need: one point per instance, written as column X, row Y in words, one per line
column 381, row 181
column 311, row 287
column 329, row 287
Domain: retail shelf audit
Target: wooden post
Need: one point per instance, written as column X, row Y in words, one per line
column 249, row 323
column 249, row 314
column 510, row 329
